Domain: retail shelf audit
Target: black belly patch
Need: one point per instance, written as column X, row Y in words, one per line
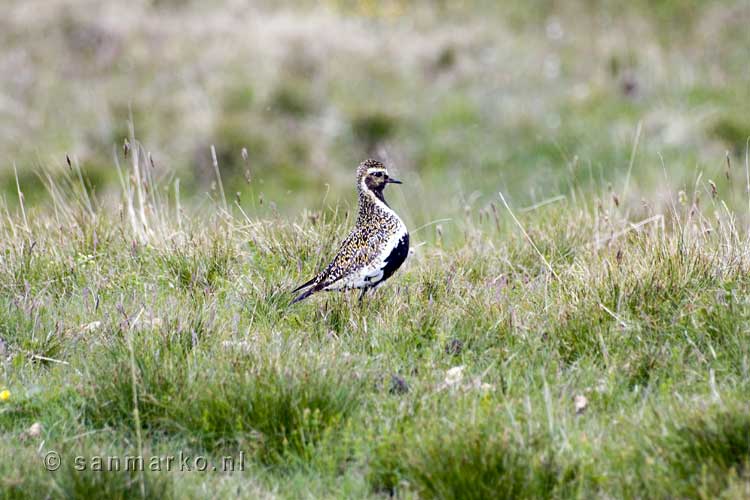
column 396, row 257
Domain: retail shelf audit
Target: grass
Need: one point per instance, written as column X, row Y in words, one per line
column 171, row 332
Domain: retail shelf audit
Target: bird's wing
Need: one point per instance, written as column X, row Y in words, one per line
column 326, row 274
column 359, row 249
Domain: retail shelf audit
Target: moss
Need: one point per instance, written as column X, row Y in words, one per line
column 292, row 98
column 733, row 132
column 373, row 128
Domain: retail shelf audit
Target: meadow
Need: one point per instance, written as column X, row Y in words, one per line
column 573, row 320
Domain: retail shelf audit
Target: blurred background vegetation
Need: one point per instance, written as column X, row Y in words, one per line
column 462, row 98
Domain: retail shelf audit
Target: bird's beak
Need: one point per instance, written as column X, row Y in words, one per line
column 391, row 180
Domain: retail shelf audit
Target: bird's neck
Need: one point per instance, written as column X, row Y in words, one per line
column 371, row 197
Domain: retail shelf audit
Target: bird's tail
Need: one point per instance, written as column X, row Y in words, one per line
column 307, row 292
column 303, row 295
column 305, row 284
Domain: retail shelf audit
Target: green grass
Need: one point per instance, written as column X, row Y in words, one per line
column 172, row 333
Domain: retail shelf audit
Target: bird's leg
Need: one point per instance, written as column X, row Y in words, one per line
column 362, row 294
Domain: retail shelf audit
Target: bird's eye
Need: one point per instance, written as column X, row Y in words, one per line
column 378, row 174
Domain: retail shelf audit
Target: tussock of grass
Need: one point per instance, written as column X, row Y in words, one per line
column 709, row 451
column 190, row 267
column 23, row 477
column 702, row 454
column 465, row 459
column 268, row 403
column 120, row 484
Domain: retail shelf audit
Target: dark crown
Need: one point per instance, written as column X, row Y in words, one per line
column 366, row 165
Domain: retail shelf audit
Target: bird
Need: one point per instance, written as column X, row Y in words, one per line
column 374, row 249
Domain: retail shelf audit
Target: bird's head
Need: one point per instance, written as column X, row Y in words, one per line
column 373, row 176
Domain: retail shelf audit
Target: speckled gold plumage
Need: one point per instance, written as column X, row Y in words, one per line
column 375, row 248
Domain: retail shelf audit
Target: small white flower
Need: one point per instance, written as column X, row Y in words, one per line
column 92, row 327
column 580, row 402
column 35, row 430
column 454, row 376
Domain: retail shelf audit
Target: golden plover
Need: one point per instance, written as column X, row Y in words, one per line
column 375, row 248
